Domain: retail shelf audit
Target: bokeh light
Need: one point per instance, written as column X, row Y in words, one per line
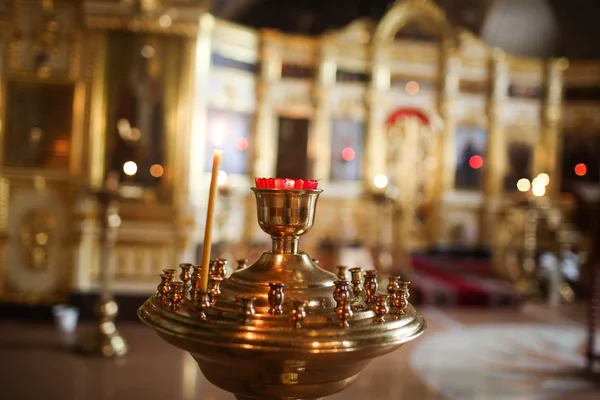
column 241, row 144
column 412, row 88
column 523, row 185
column 476, row 162
column 222, row 178
column 580, row 169
column 543, row 179
column 538, row 190
column 348, row 154
column 380, row 181
column 157, row 170
column 130, row 168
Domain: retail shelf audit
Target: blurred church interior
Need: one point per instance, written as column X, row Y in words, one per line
column 457, row 143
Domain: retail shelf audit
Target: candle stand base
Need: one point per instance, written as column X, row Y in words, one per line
column 260, row 398
column 283, row 328
column 104, row 339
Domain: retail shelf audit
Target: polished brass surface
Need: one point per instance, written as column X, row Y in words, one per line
column 283, row 328
column 285, row 215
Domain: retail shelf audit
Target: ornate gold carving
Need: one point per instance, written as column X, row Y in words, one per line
column 404, row 11
column 36, row 234
column 46, row 41
column 150, row 26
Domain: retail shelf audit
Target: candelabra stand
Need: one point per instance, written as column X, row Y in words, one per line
column 104, row 339
column 383, row 255
column 528, row 284
column 588, row 219
column 283, row 328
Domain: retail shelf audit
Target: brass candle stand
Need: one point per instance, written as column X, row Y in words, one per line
column 283, row 328
column 104, row 339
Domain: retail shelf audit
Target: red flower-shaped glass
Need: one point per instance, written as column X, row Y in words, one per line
column 285, row 183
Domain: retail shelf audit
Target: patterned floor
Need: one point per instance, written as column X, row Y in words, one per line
column 472, row 354
column 504, row 361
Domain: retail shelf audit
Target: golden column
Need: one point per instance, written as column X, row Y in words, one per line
column 551, row 116
column 265, row 129
column 496, row 150
column 264, row 132
column 448, row 92
column 322, row 120
column 375, row 160
column 199, row 120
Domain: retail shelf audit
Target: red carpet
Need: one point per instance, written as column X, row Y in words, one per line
column 454, row 281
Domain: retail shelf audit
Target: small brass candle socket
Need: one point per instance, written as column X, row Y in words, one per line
column 215, row 290
column 392, row 288
column 298, row 313
column 185, row 276
column 247, row 308
column 221, row 268
column 405, row 286
column 371, row 286
column 276, row 298
column 341, row 272
column 203, row 304
column 381, row 307
column 195, row 283
column 341, row 295
column 213, row 267
column 164, row 288
column 356, row 274
column 242, row 263
column 170, row 272
column 176, row 294
column 401, row 301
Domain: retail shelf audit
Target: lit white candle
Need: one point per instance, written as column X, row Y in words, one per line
column 218, row 152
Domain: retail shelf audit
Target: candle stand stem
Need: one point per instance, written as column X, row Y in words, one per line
column 285, row 244
column 260, row 398
column 104, row 339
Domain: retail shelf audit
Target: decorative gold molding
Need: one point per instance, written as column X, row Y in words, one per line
column 189, row 30
column 403, row 11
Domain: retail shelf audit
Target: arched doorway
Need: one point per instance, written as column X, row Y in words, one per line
column 401, row 111
column 411, row 165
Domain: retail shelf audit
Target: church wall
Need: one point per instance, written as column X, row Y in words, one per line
column 270, row 90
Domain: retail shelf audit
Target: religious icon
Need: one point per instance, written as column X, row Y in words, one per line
column 139, row 129
column 471, row 143
column 292, row 152
column 38, row 135
column 346, row 149
column 520, row 158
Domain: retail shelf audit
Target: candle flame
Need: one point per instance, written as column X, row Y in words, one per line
column 218, row 135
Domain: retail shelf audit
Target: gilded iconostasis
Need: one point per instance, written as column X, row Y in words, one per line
column 420, row 133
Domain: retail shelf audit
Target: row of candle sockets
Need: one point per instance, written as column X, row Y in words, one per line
column 395, row 301
column 286, row 183
column 364, row 294
column 172, row 292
